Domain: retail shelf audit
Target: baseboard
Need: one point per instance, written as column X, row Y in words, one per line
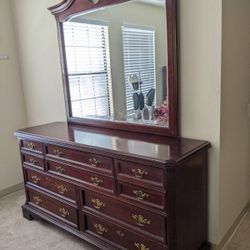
column 12, row 189
column 232, row 230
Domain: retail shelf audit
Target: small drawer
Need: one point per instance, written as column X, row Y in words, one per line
column 53, row 184
column 143, row 220
column 138, row 173
column 33, row 161
column 95, row 162
column 34, row 146
column 58, row 208
column 142, row 195
column 122, row 237
column 80, row 175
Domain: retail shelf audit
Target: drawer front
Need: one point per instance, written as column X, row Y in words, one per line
column 53, row 184
column 93, row 161
column 137, row 217
column 33, row 146
column 142, row 195
column 78, row 174
column 54, row 206
column 140, row 173
column 120, row 236
column 33, row 161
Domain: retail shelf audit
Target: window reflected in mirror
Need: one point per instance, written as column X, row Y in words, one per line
column 116, row 63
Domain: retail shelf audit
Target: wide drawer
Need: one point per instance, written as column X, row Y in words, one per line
column 53, row 184
column 143, row 220
column 142, row 195
column 138, row 173
column 120, row 236
column 52, row 205
column 93, row 161
column 80, row 175
column 34, row 146
column 33, row 161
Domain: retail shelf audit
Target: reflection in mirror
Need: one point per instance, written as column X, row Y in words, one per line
column 116, row 63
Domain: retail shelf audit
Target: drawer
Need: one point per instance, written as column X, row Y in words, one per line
column 142, row 219
column 142, row 195
column 33, row 161
column 33, row 146
column 89, row 160
column 58, row 208
column 138, row 173
column 53, row 184
column 119, row 235
column 80, row 175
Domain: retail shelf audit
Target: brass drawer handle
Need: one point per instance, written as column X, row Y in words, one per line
column 37, row 200
column 60, row 170
column 62, row 190
column 35, row 179
column 94, row 162
column 57, row 153
column 31, row 145
column 100, row 229
column 33, row 161
column 96, row 181
column 138, row 173
column 140, row 195
column 140, row 220
column 97, row 203
column 120, row 233
column 63, row 212
column 141, row 246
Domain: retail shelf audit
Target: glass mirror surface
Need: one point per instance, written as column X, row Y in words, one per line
column 117, row 63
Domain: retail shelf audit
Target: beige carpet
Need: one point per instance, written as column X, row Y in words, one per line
column 17, row 233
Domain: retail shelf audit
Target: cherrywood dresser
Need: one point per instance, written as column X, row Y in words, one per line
column 117, row 190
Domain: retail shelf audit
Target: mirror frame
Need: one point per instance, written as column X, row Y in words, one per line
column 67, row 9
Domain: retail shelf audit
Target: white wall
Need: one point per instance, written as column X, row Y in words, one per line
column 235, row 88
column 12, row 109
column 39, row 61
column 200, row 87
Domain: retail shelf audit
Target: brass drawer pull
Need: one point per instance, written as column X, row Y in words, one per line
column 96, row 181
column 141, row 246
column 37, row 200
column 94, row 162
column 100, row 229
column 57, row 153
column 33, row 161
column 62, row 190
column 140, row 220
column 120, row 233
column 138, row 173
column 35, row 179
column 31, row 145
column 60, row 170
column 97, row 203
column 64, row 213
column 140, row 195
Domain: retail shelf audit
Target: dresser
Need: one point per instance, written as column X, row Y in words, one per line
column 114, row 189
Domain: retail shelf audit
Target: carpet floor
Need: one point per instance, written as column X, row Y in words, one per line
column 17, row 233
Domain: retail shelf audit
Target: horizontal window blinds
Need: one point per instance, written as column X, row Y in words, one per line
column 139, row 59
column 89, row 73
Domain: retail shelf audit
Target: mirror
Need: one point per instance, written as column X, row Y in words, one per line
column 116, row 64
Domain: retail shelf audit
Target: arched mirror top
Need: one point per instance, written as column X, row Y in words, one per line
column 119, row 63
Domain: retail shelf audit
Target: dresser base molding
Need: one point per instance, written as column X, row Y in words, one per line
column 31, row 213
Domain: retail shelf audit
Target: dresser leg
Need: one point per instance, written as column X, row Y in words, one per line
column 205, row 246
column 27, row 215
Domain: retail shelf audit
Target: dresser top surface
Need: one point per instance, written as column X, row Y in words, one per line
column 150, row 147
